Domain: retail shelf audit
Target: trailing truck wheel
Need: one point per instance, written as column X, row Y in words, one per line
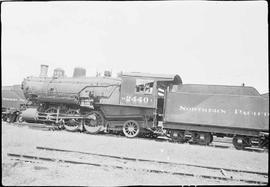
column 240, row 142
column 94, row 122
column 131, row 129
column 72, row 124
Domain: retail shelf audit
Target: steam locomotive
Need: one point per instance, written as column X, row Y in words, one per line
column 148, row 104
column 128, row 103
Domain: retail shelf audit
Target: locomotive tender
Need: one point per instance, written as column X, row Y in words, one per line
column 201, row 111
column 136, row 103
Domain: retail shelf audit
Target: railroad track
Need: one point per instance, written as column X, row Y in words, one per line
column 217, row 143
column 49, row 154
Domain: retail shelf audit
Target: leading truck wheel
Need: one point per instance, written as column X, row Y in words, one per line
column 94, row 122
column 131, row 129
column 19, row 118
column 72, row 124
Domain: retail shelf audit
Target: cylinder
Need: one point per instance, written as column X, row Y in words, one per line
column 79, row 72
column 30, row 115
column 43, row 70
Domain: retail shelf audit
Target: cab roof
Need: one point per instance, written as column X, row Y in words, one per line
column 173, row 78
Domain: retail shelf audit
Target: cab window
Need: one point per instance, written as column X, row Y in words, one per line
column 144, row 86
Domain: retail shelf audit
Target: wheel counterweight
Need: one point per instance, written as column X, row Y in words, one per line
column 94, row 123
column 72, row 124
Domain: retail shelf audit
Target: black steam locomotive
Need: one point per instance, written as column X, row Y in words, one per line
column 129, row 103
column 138, row 103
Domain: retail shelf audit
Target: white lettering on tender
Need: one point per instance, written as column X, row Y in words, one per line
column 250, row 113
column 222, row 111
column 199, row 109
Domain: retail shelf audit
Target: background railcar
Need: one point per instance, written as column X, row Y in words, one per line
column 13, row 101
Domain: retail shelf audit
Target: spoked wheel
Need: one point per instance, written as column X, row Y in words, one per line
column 131, row 129
column 177, row 136
column 202, row 138
column 19, row 118
column 94, row 122
column 241, row 142
column 72, row 124
column 51, row 110
column 264, row 142
column 211, row 138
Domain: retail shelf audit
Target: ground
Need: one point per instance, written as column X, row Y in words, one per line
column 24, row 140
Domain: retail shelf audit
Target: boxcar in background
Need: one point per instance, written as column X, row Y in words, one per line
column 12, row 101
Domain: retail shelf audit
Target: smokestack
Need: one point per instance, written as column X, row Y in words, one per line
column 43, row 70
column 107, row 73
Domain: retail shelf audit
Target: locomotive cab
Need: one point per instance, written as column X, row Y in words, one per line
column 147, row 90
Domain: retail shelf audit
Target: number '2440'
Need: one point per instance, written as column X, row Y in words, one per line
column 136, row 99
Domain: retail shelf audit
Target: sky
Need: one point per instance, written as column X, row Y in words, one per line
column 205, row 42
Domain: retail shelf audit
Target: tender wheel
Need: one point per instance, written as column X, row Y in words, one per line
column 202, row 138
column 240, row 142
column 72, row 124
column 131, row 129
column 94, row 122
column 177, row 136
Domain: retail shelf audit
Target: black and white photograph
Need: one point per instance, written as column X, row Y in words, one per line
column 125, row 93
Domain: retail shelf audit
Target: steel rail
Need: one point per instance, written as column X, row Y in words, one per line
column 155, row 161
column 48, row 159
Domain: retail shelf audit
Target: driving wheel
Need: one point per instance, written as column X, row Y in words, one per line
column 72, row 124
column 94, row 122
